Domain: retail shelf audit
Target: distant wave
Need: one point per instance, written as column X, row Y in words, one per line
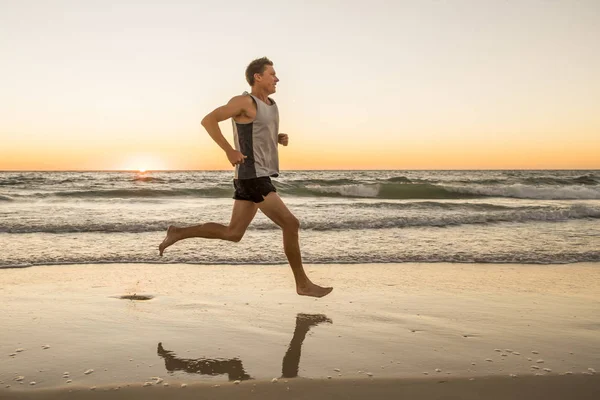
column 539, row 181
column 510, row 179
column 400, row 179
column 573, row 192
column 154, row 179
column 137, row 193
column 428, row 191
column 388, row 191
column 551, row 180
column 488, row 214
column 585, row 187
column 11, row 182
column 380, row 191
column 435, row 205
column 27, row 178
column 324, row 182
column 5, row 198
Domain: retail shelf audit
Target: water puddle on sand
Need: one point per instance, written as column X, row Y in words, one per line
column 139, row 297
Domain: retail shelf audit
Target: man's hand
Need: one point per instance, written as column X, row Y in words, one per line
column 283, row 139
column 236, row 157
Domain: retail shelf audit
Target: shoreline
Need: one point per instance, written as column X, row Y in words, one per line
column 286, row 264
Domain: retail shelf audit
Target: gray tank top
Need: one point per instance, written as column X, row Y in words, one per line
column 258, row 141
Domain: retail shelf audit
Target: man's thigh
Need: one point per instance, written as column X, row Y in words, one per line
column 242, row 215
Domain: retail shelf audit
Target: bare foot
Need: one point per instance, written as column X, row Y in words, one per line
column 169, row 239
column 309, row 320
column 313, row 290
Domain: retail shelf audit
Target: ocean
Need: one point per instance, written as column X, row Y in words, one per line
column 530, row 217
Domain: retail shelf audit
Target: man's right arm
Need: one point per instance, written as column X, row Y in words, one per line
column 235, row 107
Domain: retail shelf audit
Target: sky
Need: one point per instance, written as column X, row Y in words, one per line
column 423, row 84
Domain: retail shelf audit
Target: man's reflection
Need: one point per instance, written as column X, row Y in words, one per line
column 233, row 367
column 291, row 360
column 206, row 366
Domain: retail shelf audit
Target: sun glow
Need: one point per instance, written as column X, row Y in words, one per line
column 143, row 163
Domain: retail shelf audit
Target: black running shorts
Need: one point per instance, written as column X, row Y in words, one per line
column 253, row 189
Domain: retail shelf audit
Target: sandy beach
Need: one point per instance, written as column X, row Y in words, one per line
column 428, row 330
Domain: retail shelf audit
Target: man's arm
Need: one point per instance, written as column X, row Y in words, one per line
column 235, row 107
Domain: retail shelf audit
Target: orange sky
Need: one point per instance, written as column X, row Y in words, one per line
column 391, row 85
column 423, row 156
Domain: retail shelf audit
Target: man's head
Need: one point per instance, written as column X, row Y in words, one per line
column 261, row 74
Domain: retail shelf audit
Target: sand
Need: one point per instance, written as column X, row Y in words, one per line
column 425, row 330
column 489, row 388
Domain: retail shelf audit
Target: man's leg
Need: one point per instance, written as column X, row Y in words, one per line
column 274, row 208
column 243, row 213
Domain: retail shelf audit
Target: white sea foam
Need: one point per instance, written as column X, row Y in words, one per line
column 521, row 191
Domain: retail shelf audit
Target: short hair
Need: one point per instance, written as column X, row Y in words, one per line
column 256, row 67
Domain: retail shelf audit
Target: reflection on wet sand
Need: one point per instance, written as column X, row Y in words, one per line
column 233, row 367
column 206, row 366
column 291, row 360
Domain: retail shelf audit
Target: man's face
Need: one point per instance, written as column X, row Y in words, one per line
column 268, row 80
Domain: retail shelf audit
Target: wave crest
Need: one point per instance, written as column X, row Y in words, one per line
column 479, row 214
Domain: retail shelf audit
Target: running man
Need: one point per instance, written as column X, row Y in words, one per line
column 255, row 119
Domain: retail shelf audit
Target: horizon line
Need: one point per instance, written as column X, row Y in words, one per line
column 303, row 170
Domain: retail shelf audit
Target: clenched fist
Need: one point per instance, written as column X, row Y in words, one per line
column 283, row 139
column 236, row 157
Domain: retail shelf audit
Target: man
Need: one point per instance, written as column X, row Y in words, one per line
column 255, row 119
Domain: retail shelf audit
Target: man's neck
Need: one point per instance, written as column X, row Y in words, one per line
column 264, row 96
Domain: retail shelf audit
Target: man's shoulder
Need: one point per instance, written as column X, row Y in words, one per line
column 243, row 98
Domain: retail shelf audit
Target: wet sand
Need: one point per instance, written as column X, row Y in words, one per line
column 425, row 330
column 489, row 388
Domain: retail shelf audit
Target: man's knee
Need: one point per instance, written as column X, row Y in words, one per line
column 291, row 223
column 234, row 236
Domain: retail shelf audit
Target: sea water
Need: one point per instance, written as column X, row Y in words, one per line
column 541, row 217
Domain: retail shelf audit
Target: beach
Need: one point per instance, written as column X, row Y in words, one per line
column 429, row 168
column 447, row 284
column 386, row 330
